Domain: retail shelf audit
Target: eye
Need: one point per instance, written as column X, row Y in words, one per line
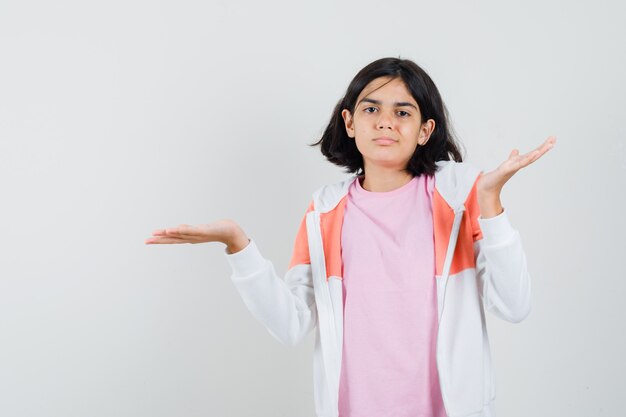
column 402, row 113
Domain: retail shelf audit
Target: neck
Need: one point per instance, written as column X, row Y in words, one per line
column 380, row 180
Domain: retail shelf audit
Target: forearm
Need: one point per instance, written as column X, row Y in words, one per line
column 501, row 265
column 284, row 306
column 490, row 204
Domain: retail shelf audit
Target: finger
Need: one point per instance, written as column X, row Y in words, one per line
column 166, row 240
column 545, row 147
column 528, row 158
column 183, row 229
column 167, row 232
column 516, row 162
column 535, row 154
column 188, row 238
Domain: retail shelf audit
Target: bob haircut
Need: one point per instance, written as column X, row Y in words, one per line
column 341, row 150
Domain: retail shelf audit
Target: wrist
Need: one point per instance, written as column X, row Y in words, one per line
column 490, row 205
column 237, row 241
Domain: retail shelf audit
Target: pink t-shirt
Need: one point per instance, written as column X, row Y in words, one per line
column 389, row 364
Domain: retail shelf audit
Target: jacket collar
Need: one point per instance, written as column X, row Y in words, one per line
column 453, row 181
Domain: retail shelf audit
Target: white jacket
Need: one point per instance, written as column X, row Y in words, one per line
column 480, row 264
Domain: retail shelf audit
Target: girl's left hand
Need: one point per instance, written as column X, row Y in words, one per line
column 492, row 182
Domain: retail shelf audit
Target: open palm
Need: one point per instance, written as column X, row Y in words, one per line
column 219, row 231
column 492, row 182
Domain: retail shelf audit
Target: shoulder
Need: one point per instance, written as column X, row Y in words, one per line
column 328, row 196
column 455, row 169
column 455, row 180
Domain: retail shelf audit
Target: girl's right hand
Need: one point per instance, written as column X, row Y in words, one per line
column 225, row 231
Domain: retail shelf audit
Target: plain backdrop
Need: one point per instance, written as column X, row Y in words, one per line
column 121, row 117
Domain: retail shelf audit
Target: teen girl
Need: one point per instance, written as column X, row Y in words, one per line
column 395, row 265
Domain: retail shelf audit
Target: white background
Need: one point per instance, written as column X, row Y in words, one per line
column 120, row 117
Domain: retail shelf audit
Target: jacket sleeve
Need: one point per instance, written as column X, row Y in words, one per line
column 502, row 271
column 285, row 307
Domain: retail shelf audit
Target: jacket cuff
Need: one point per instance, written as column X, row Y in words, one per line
column 496, row 230
column 247, row 261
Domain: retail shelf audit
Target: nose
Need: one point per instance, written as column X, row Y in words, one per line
column 384, row 120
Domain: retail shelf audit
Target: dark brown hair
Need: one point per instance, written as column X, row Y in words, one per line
column 341, row 150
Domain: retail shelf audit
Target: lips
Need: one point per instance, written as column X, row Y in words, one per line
column 384, row 140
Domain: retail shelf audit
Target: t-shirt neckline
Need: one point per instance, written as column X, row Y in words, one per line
column 381, row 194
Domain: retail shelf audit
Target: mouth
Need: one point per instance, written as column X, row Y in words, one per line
column 384, row 140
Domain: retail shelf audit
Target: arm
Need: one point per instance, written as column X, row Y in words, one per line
column 502, row 270
column 500, row 259
column 285, row 307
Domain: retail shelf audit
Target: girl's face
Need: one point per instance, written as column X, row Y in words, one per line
column 387, row 124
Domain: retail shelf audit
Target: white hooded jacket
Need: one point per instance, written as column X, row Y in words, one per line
column 480, row 264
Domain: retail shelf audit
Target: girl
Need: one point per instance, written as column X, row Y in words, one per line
column 395, row 265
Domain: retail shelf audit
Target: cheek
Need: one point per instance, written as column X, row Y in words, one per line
column 411, row 132
column 359, row 145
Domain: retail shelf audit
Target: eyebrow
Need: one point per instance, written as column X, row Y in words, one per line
column 397, row 103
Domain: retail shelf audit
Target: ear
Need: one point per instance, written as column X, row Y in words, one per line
column 425, row 131
column 348, row 121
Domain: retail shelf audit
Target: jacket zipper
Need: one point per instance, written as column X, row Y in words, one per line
column 316, row 246
column 458, row 216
